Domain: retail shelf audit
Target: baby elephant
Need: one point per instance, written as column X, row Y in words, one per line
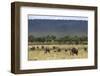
column 42, row 47
column 85, row 49
column 58, row 50
column 47, row 50
column 66, row 50
column 33, row 48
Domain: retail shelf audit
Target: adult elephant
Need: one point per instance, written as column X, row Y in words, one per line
column 74, row 51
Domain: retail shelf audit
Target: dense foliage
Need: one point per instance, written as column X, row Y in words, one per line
column 53, row 39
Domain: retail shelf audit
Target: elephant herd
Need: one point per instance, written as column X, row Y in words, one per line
column 46, row 49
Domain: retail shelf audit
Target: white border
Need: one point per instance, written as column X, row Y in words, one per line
column 32, row 17
column 25, row 64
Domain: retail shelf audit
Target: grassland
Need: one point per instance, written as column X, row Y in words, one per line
column 39, row 54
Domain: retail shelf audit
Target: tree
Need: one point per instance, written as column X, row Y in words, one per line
column 83, row 39
column 40, row 39
column 31, row 38
column 47, row 38
column 76, row 39
column 53, row 37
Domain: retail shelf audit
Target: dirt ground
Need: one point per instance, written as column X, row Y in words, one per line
column 39, row 54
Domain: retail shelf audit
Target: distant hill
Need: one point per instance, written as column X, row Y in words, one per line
column 58, row 28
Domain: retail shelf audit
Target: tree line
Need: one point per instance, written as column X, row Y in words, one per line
column 53, row 39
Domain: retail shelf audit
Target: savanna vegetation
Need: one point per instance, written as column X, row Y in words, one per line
column 51, row 47
column 51, row 39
